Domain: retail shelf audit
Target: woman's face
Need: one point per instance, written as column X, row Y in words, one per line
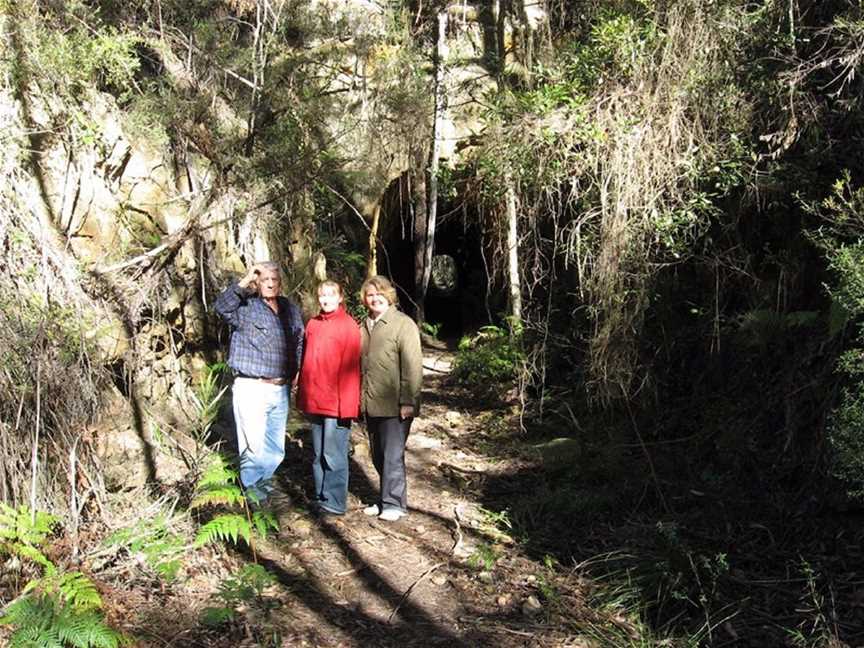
column 329, row 299
column 376, row 303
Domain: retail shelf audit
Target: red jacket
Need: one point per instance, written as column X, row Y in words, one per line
column 330, row 373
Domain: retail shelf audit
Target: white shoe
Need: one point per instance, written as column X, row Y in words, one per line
column 371, row 510
column 391, row 515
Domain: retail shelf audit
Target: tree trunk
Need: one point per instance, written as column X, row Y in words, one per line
column 513, row 251
column 428, row 240
column 372, row 264
column 421, row 215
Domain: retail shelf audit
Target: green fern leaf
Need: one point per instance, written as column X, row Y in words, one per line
column 79, row 591
column 264, row 522
column 22, row 525
column 31, row 552
column 218, row 494
column 216, row 616
column 232, row 526
column 101, row 636
column 217, row 473
column 168, row 569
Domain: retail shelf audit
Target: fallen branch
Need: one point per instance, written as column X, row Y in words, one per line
column 457, row 543
column 411, row 588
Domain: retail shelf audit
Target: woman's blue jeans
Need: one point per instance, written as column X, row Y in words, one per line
column 330, row 441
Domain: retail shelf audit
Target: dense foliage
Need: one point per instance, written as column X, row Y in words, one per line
column 684, row 181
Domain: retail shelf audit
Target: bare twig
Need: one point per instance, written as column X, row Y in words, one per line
column 411, row 588
column 35, row 457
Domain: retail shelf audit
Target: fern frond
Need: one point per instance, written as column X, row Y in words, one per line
column 31, row 552
column 86, row 629
column 216, row 616
column 101, row 636
column 231, row 526
column 79, row 591
column 160, row 547
column 42, row 621
column 218, row 494
column 29, row 612
column 34, row 638
column 217, row 473
column 264, row 522
column 22, row 525
column 168, row 569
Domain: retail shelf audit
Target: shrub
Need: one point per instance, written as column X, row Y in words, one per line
column 488, row 361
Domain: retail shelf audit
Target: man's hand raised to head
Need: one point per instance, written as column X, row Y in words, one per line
column 250, row 281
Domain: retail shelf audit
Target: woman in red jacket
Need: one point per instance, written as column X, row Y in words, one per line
column 330, row 394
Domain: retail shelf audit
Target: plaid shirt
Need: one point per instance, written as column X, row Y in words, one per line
column 263, row 344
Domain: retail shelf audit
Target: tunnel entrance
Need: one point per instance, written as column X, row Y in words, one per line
column 469, row 304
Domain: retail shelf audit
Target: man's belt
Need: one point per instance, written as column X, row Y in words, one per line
column 269, row 381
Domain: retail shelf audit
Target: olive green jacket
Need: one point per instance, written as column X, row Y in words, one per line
column 392, row 365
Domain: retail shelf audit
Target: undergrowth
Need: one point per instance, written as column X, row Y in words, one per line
column 57, row 608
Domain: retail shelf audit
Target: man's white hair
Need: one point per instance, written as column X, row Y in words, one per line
column 270, row 266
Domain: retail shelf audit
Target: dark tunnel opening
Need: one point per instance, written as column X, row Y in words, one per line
column 454, row 310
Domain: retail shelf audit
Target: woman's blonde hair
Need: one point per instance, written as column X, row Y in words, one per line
column 330, row 284
column 383, row 286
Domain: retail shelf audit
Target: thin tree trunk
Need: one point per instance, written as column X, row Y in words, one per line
column 513, row 250
column 372, row 265
column 432, row 208
column 498, row 11
column 258, row 63
column 421, row 216
column 34, row 460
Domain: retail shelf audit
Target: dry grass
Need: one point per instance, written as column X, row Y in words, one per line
column 610, row 197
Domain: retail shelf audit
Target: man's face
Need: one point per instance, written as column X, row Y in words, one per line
column 269, row 284
column 329, row 299
column 376, row 303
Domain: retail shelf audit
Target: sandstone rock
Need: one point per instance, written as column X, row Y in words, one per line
column 531, row 606
column 454, row 419
column 423, row 442
column 301, row 528
column 361, row 449
column 560, row 452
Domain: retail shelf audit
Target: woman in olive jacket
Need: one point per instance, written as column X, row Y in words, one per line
column 392, row 371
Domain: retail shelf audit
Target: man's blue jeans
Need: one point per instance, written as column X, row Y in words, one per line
column 330, row 440
column 260, row 412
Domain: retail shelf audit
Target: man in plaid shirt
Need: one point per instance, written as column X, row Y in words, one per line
column 265, row 353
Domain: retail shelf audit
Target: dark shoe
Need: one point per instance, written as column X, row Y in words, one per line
column 326, row 511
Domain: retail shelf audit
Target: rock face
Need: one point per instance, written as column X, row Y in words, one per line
column 143, row 229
